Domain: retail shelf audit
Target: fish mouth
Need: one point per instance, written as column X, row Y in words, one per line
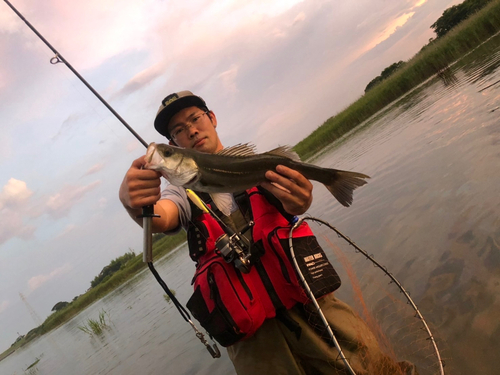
column 153, row 158
column 150, row 152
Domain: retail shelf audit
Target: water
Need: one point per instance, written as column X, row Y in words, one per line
column 430, row 213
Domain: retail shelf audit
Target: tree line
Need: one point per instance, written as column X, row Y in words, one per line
column 450, row 18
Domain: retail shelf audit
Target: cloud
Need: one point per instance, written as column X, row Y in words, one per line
column 387, row 31
column 36, row 281
column 12, row 225
column 60, row 204
column 228, row 79
column 419, row 3
column 103, row 202
column 66, row 230
column 14, row 193
column 140, row 80
column 9, row 23
column 94, row 169
column 3, row 305
column 67, row 125
column 300, row 17
column 132, row 146
column 13, row 200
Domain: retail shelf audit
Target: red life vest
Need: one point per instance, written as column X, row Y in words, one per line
column 232, row 305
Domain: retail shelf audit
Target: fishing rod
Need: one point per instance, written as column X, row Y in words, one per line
column 147, row 211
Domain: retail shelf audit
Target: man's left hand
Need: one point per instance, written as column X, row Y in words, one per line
column 295, row 191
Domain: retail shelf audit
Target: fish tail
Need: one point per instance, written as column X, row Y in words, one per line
column 343, row 185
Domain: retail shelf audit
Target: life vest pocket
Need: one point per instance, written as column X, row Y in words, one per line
column 224, row 304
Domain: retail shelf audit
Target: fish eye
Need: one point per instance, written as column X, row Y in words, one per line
column 167, row 152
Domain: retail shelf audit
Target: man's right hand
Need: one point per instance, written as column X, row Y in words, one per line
column 140, row 187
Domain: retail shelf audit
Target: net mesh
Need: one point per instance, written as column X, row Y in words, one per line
column 382, row 313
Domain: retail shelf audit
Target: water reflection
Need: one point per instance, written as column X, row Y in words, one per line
column 448, row 77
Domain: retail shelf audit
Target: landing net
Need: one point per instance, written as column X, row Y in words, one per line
column 404, row 345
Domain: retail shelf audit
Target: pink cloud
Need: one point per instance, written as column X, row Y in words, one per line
column 60, row 204
column 4, row 305
column 14, row 198
column 94, row 169
column 36, row 281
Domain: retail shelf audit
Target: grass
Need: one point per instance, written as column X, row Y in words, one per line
column 431, row 60
column 95, row 327
column 33, row 364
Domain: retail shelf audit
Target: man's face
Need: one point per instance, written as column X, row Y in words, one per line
column 193, row 128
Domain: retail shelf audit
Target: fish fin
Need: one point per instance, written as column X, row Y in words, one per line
column 245, row 149
column 223, row 201
column 284, row 151
column 344, row 184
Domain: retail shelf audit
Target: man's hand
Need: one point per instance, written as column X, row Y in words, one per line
column 140, row 187
column 295, row 191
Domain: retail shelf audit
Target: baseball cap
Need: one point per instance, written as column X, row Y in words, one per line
column 172, row 104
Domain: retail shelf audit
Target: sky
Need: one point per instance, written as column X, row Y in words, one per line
column 271, row 70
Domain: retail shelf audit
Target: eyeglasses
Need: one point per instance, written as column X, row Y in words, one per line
column 183, row 129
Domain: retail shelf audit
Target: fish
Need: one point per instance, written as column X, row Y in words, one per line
column 237, row 168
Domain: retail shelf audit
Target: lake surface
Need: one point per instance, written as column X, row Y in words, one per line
column 430, row 214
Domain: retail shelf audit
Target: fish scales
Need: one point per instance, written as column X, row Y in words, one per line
column 238, row 168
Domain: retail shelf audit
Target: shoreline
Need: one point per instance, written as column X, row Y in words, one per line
column 429, row 61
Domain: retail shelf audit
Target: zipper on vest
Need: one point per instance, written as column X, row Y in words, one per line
column 243, row 283
column 205, row 264
column 215, row 296
column 284, row 270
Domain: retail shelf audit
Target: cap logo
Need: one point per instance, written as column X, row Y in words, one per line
column 169, row 99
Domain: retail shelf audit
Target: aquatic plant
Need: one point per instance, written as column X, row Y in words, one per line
column 33, row 369
column 33, row 364
column 94, row 326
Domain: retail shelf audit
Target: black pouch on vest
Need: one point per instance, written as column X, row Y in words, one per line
column 314, row 265
column 217, row 323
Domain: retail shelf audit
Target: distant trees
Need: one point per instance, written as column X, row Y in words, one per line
column 59, row 305
column 451, row 17
column 454, row 15
column 386, row 73
column 111, row 268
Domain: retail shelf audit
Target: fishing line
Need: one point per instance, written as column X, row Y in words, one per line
column 148, row 211
column 58, row 58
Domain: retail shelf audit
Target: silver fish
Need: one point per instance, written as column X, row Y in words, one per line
column 238, row 168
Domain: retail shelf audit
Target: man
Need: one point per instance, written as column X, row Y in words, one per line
column 285, row 342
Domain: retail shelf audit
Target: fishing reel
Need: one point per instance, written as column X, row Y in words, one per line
column 234, row 249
